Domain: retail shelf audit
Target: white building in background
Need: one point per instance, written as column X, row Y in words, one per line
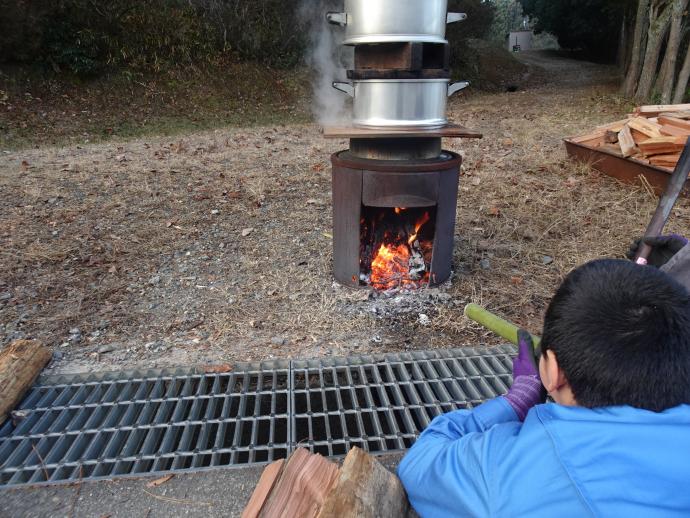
column 520, row 40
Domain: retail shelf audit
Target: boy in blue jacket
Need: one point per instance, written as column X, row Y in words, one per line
column 615, row 360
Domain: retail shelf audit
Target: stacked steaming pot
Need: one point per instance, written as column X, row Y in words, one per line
column 395, row 99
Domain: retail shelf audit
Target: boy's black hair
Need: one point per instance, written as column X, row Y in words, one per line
column 621, row 334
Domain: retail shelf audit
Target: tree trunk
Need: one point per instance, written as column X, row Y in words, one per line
column 659, row 22
column 668, row 68
column 621, row 56
column 682, row 82
column 633, row 72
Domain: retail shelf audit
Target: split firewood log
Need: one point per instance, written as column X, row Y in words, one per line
column 646, row 127
column 674, row 131
column 309, row 486
column 684, row 114
column 626, row 142
column 669, row 160
column 653, row 110
column 297, row 487
column 611, row 137
column 674, row 122
column 662, row 145
column 366, row 489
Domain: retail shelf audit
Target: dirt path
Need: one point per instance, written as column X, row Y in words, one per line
column 560, row 71
column 216, row 247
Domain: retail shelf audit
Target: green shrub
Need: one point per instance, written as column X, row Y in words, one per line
column 87, row 37
column 480, row 16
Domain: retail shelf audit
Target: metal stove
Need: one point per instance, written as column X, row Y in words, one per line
column 395, row 189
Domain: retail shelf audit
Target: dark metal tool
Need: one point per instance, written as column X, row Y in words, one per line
column 663, row 211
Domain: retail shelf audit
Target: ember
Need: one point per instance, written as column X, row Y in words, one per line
column 397, row 245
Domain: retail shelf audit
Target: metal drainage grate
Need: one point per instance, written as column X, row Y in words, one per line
column 94, row 429
column 120, row 424
column 382, row 404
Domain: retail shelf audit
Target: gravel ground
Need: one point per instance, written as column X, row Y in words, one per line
column 216, row 247
column 220, row 492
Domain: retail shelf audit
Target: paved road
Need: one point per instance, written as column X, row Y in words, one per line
column 222, row 492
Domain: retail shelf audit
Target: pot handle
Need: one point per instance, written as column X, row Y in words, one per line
column 456, row 87
column 337, row 18
column 344, row 87
column 455, row 17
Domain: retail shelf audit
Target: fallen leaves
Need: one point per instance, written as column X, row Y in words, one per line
column 160, row 481
column 494, row 211
column 217, row 369
column 247, row 231
column 517, row 280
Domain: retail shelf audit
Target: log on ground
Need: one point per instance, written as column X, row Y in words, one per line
column 366, row 489
column 20, row 364
column 302, row 487
column 268, row 479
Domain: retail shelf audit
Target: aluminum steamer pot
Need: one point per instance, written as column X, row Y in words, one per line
column 400, row 103
column 385, row 21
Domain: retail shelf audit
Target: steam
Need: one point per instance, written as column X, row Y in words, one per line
column 327, row 60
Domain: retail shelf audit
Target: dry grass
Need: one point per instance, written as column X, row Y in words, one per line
column 139, row 255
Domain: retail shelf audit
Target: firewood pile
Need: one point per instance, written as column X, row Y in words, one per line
column 653, row 135
column 308, row 485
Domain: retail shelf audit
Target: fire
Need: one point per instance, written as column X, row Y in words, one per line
column 399, row 260
column 390, row 266
column 417, row 227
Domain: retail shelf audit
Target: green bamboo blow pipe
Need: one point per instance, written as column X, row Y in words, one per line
column 494, row 323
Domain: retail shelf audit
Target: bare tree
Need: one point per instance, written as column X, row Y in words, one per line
column 633, row 73
column 659, row 23
column 683, row 76
column 668, row 67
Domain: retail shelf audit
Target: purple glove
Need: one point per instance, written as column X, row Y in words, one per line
column 663, row 248
column 527, row 389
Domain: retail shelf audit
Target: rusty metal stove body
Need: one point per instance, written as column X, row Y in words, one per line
column 361, row 183
column 396, row 167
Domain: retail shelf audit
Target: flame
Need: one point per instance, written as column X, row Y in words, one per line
column 424, row 219
column 391, row 265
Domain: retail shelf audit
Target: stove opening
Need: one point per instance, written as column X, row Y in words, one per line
column 396, row 246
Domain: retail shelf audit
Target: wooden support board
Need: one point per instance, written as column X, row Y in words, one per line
column 402, row 56
column 20, row 364
column 384, row 73
column 449, row 131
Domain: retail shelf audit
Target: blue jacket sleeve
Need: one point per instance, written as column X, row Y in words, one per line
column 445, row 473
